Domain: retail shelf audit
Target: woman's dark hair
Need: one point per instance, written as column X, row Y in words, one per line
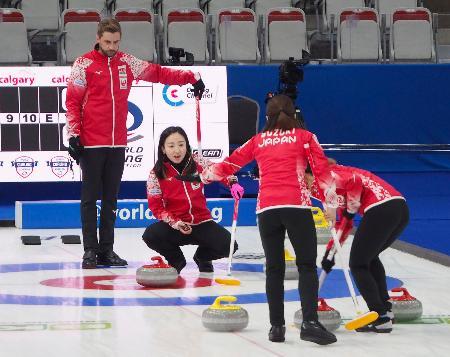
column 280, row 111
column 159, row 168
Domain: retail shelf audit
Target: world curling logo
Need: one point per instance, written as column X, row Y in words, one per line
column 137, row 119
column 171, row 96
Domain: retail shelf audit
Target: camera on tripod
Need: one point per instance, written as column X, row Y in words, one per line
column 290, row 74
column 176, row 54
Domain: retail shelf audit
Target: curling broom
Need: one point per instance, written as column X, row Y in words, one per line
column 229, row 280
column 362, row 319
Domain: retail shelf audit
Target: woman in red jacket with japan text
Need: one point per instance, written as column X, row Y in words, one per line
column 282, row 152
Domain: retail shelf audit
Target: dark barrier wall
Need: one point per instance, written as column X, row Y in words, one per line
column 367, row 104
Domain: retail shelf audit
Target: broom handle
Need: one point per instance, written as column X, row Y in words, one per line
column 332, row 252
column 233, row 235
column 199, row 129
column 337, row 245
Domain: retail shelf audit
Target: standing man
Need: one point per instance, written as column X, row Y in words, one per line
column 97, row 108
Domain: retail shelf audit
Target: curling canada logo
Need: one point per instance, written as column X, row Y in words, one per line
column 59, row 165
column 24, row 166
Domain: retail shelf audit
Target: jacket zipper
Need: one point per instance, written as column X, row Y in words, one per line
column 186, row 192
column 113, row 101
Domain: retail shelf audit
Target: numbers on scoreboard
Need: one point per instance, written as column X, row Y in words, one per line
column 29, row 118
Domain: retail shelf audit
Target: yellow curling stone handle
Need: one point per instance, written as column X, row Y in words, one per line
column 319, row 218
column 217, row 305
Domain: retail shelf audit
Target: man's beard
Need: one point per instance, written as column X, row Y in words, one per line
column 108, row 53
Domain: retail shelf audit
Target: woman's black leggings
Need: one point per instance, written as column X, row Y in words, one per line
column 212, row 239
column 299, row 224
column 379, row 228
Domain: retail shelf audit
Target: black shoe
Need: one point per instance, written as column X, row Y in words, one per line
column 276, row 333
column 205, row 266
column 179, row 266
column 313, row 331
column 112, row 259
column 381, row 325
column 89, row 260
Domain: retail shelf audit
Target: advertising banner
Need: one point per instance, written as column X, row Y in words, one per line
column 33, row 141
column 130, row 213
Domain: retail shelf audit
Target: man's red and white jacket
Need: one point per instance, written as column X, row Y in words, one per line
column 173, row 201
column 359, row 190
column 97, row 95
column 282, row 158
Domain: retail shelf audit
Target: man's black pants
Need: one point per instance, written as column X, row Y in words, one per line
column 102, row 170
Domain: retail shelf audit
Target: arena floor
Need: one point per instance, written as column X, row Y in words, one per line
column 50, row 307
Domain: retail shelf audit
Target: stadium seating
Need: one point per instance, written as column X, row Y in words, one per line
column 358, row 35
column 412, row 35
column 79, row 31
column 236, row 36
column 212, row 7
column 285, row 34
column 387, row 7
column 186, row 28
column 262, row 6
column 99, row 5
column 334, row 7
column 14, row 43
column 139, row 4
column 40, row 15
column 138, row 33
column 164, row 6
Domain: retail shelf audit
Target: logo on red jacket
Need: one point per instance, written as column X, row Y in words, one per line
column 24, row 166
column 59, row 165
column 123, row 79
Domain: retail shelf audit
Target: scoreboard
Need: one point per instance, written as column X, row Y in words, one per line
column 32, row 118
column 33, row 141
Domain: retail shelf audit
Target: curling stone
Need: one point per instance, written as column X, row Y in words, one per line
column 405, row 307
column 291, row 271
column 330, row 318
column 323, row 231
column 158, row 274
column 226, row 317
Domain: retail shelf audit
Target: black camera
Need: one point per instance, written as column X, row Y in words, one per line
column 290, row 74
column 176, row 54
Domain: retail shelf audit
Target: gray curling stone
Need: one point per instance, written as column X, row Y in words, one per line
column 158, row 274
column 291, row 271
column 405, row 307
column 323, row 231
column 323, row 235
column 225, row 318
column 328, row 317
